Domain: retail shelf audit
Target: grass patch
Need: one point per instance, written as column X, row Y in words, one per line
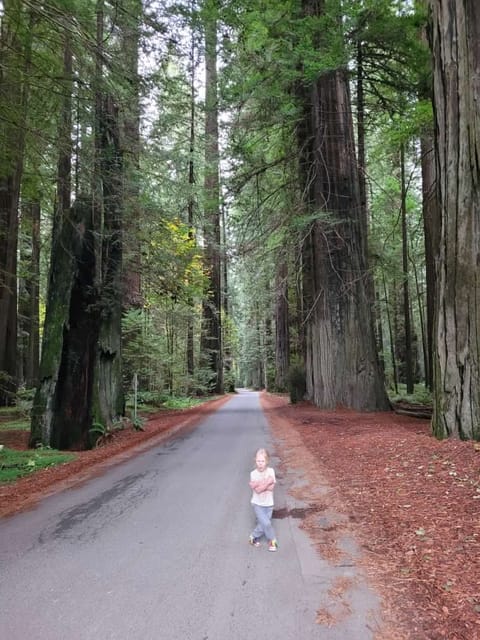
column 16, row 464
column 183, row 403
column 165, row 402
column 9, row 411
column 19, row 424
column 141, row 408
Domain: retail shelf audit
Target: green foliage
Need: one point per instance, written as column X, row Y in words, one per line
column 102, row 434
column 202, row 383
column 17, row 416
column 229, row 381
column 138, row 423
column 181, row 403
column 16, row 464
column 421, row 395
column 10, row 411
column 16, row 424
column 6, row 386
column 174, row 261
column 146, row 400
column 296, row 382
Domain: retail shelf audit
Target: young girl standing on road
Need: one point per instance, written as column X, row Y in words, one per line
column 262, row 482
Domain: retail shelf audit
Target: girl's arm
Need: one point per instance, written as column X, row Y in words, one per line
column 260, row 486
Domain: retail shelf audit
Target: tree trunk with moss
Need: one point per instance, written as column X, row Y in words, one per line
column 80, row 371
column 61, row 414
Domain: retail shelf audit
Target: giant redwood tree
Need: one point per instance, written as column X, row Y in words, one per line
column 341, row 361
column 456, row 59
column 80, row 369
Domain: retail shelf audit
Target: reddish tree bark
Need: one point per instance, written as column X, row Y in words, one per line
column 456, row 61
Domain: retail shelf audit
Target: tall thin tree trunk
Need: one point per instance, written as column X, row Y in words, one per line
column 362, row 161
column 212, row 333
column 405, row 283
column 421, row 315
column 379, row 332
column 29, row 294
column 282, row 334
column 14, row 89
column 431, row 226
column 130, row 15
column 191, row 202
column 391, row 334
column 456, row 61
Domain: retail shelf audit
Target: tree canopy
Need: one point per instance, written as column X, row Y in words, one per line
column 210, row 194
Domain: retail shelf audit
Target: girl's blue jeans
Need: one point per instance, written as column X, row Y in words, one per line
column 264, row 522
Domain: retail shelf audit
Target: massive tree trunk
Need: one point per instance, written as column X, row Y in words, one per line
column 341, row 361
column 69, row 235
column 80, row 371
column 456, row 59
column 61, row 414
column 212, row 329
column 107, row 399
column 108, row 403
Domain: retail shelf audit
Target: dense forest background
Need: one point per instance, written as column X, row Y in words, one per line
column 206, row 194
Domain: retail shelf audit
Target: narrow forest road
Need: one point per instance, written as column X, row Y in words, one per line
column 156, row 549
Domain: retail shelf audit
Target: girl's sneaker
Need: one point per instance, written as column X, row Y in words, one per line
column 254, row 541
column 273, row 545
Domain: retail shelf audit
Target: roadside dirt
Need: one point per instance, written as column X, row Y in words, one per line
column 411, row 503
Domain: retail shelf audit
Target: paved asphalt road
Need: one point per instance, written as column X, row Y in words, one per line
column 156, row 549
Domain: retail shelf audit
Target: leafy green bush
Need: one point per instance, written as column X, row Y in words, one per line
column 421, row 395
column 229, row 382
column 181, row 403
column 296, row 382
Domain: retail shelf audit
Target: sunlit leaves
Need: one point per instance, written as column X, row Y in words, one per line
column 173, row 261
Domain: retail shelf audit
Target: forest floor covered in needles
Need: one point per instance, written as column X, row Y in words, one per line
column 412, row 503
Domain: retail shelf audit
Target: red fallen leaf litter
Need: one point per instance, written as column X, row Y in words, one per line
column 411, row 502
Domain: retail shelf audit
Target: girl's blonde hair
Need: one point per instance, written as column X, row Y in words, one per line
column 263, row 452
